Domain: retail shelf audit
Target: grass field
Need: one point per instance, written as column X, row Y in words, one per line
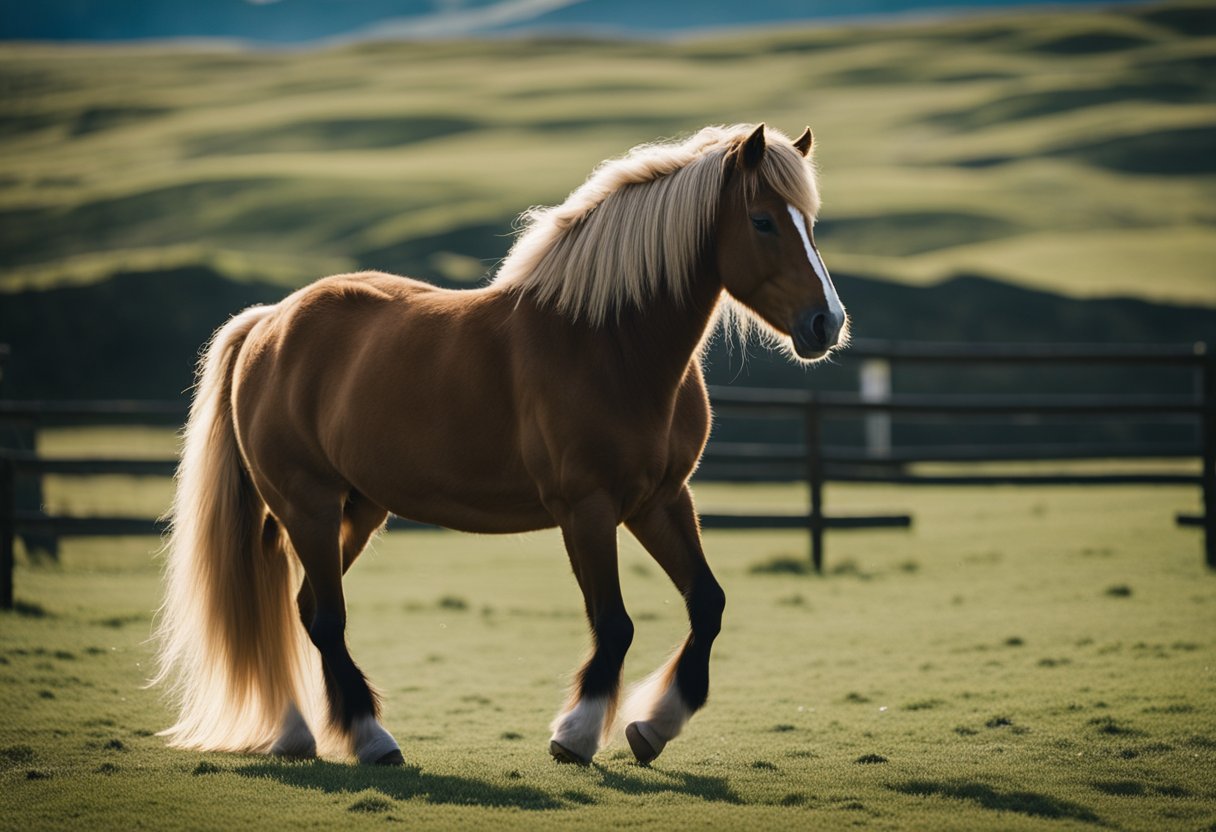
column 1068, row 150
column 1020, row 659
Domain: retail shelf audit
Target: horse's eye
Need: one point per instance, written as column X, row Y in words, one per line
column 764, row 225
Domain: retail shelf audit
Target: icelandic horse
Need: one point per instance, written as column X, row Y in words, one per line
column 566, row 392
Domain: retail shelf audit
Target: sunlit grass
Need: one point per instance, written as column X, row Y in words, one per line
column 117, row 441
column 1020, row 657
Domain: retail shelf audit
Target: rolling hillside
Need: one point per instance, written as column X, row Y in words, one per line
column 1069, row 152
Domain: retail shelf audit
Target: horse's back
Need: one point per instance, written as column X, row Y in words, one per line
column 332, row 301
column 396, row 388
column 350, row 319
column 321, row 339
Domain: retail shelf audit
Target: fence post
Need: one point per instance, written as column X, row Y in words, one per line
column 8, row 531
column 814, row 475
column 1208, row 428
column 874, row 381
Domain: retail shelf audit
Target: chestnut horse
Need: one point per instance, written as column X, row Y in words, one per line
column 567, row 392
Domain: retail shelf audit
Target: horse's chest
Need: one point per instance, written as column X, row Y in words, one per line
column 670, row 460
column 664, row 451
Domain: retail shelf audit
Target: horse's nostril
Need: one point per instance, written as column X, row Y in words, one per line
column 819, row 328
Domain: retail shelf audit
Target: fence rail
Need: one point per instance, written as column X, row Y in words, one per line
column 810, row 460
column 962, row 404
column 936, row 352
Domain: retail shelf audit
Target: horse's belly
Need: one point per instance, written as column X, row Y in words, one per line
column 468, row 506
column 479, row 519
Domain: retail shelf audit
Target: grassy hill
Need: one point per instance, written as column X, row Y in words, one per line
column 1065, row 150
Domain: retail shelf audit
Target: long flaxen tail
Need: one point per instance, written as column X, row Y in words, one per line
column 233, row 655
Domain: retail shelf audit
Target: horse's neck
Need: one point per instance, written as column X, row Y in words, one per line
column 664, row 337
column 651, row 347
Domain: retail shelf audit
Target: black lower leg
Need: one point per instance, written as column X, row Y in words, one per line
column 601, row 675
column 349, row 695
column 706, row 602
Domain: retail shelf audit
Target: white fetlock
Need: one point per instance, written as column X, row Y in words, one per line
column 295, row 739
column 372, row 743
column 577, row 731
column 655, row 712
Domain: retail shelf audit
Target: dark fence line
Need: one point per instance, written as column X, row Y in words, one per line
column 955, row 404
column 936, row 352
column 810, row 460
column 94, row 412
column 847, row 455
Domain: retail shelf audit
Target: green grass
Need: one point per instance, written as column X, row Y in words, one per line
column 1067, row 150
column 1020, row 659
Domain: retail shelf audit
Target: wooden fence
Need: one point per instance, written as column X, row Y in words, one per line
column 810, row 460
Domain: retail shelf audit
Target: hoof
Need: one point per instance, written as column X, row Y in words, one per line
column 644, row 743
column 302, row 753
column 373, row 745
column 565, row 755
column 392, row 758
column 295, row 741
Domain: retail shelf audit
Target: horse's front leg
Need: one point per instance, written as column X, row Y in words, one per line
column 661, row 704
column 589, row 530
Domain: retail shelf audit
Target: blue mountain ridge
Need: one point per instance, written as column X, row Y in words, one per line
column 303, row 21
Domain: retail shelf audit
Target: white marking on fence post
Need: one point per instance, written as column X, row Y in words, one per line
column 874, row 378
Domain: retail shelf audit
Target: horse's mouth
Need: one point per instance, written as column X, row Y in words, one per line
column 806, row 351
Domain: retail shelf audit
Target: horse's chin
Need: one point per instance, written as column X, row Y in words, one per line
column 810, row 354
column 813, row 358
column 807, row 354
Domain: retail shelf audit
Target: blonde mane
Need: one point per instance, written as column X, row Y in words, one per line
column 636, row 227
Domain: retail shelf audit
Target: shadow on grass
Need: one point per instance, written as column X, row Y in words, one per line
column 1024, row 803
column 1135, row 788
column 656, row 781
column 401, row 783
column 407, row 782
column 28, row 609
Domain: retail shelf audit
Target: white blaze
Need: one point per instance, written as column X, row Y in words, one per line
column 829, row 291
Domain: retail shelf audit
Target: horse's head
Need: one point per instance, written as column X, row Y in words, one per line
column 765, row 246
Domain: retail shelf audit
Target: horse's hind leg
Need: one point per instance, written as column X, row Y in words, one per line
column 590, row 535
column 361, row 518
column 316, row 535
column 294, row 739
column 664, row 702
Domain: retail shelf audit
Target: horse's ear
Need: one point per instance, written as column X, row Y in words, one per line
column 752, row 149
column 804, row 142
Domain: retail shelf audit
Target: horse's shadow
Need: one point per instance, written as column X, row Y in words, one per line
column 409, row 782
column 401, row 783
column 713, row 789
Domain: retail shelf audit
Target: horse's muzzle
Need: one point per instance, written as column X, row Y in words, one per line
column 816, row 332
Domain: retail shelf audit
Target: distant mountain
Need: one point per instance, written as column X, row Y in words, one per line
column 298, row 21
